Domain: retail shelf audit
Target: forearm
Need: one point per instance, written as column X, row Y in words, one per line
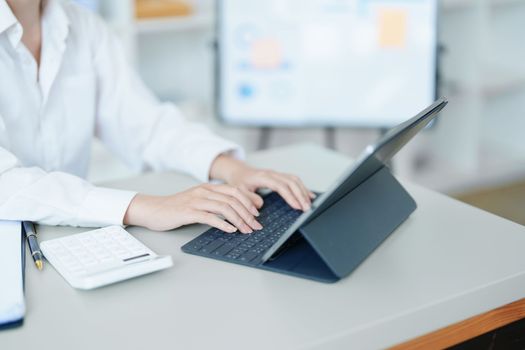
column 59, row 199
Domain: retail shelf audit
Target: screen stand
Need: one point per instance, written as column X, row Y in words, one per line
column 264, row 138
column 333, row 244
column 329, row 137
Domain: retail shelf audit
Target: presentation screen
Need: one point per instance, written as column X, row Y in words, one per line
column 369, row 63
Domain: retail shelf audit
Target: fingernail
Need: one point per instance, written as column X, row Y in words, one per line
column 255, row 212
column 257, row 225
column 231, row 230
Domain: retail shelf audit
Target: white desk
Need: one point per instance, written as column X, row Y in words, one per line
column 448, row 262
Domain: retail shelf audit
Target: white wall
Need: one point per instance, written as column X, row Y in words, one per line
column 477, row 140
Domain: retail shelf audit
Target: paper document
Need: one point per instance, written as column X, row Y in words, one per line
column 12, row 306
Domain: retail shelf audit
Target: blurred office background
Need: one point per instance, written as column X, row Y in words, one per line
column 476, row 152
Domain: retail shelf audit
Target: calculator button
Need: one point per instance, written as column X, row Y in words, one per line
column 68, row 260
column 75, row 268
column 103, row 256
column 59, row 249
column 87, row 240
column 121, row 253
column 106, row 258
column 53, row 245
column 89, row 262
column 69, row 242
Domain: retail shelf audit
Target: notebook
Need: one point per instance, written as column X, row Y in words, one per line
column 12, row 264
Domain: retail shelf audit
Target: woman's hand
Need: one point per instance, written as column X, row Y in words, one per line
column 249, row 179
column 229, row 208
column 222, row 206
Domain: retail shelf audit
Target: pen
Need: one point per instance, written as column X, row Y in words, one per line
column 36, row 253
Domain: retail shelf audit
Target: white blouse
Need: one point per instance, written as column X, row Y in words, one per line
column 84, row 88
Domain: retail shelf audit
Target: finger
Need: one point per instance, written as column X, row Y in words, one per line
column 283, row 190
column 226, row 211
column 308, row 194
column 296, row 191
column 255, row 198
column 300, row 193
column 213, row 221
column 296, row 181
column 238, row 194
column 247, row 222
column 234, row 203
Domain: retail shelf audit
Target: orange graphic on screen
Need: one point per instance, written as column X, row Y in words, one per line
column 266, row 53
column 392, row 28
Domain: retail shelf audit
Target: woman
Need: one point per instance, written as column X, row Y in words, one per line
column 64, row 78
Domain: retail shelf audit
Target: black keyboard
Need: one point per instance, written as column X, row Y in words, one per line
column 275, row 216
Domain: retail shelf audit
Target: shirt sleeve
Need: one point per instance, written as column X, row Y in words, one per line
column 134, row 124
column 56, row 198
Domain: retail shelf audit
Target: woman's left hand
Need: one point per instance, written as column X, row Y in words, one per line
column 247, row 178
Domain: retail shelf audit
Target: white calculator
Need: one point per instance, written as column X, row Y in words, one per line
column 96, row 258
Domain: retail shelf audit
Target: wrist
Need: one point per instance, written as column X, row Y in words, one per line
column 224, row 168
column 137, row 212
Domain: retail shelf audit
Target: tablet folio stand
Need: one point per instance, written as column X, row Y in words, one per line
column 333, row 244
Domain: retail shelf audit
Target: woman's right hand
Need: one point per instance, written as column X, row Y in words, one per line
column 221, row 206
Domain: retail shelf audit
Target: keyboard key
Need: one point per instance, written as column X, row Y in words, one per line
column 204, row 240
column 247, row 257
column 212, row 246
column 225, row 249
column 196, row 246
column 232, row 255
column 225, row 237
column 246, row 245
